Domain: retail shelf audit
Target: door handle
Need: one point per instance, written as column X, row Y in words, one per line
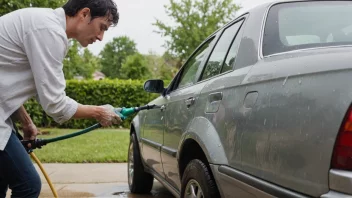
column 190, row 101
column 214, row 97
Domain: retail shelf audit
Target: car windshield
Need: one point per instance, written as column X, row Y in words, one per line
column 302, row 25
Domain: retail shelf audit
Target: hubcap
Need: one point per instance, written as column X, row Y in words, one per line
column 193, row 190
column 130, row 164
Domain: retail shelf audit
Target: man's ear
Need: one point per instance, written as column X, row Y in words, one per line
column 84, row 13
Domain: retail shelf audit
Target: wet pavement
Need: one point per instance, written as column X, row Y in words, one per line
column 93, row 180
column 117, row 190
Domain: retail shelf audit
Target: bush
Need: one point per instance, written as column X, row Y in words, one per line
column 118, row 93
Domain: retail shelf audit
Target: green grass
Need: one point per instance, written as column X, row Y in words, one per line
column 99, row 146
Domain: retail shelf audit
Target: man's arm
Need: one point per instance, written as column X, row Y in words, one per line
column 104, row 114
column 22, row 116
column 30, row 131
column 87, row 111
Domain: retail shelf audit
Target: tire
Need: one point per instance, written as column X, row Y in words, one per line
column 198, row 175
column 139, row 181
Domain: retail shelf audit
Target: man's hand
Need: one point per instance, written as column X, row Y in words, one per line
column 107, row 116
column 30, row 132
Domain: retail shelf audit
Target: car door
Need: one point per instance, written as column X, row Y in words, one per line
column 180, row 107
column 221, row 98
column 152, row 135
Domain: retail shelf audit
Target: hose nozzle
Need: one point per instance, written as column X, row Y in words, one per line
column 125, row 112
column 147, row 107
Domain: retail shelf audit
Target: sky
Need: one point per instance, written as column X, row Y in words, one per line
column 136, row 22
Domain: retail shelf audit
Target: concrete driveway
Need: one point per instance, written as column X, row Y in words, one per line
column 92, row 180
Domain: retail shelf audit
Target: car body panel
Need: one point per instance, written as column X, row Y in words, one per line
column 236, row 184
column 178, row 116
column 223, row 123
column 153, row 136
column 300, row 107
column 204, row 133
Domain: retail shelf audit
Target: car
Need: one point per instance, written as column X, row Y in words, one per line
column 262, row 108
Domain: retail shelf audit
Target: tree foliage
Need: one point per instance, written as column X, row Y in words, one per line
column 161, row 67
column 194, row 21
column 78, row 63
column 135, row 67
column 114, row 54
column 7, row 6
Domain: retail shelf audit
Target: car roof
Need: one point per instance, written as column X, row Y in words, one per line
column 284, row 1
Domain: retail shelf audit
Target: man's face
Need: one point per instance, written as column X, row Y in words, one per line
column 88, row 31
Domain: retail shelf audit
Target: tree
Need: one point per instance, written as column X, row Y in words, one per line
column 195, row 20
column 114, row 54
column 77, row 63
column 161, row 67
column 91, row 63
column 72, row 61
column 134, row 67
column 7, row 6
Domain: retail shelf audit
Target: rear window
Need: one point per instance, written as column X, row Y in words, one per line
column 302, row 25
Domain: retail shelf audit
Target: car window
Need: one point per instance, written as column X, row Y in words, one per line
column 190, row 69
column 217, row 58
column 231, row 56
column 311, row 24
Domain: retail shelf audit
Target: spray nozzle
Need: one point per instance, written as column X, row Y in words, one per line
column 123, row 112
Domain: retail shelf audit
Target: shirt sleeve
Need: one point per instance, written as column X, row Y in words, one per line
column 46, row 49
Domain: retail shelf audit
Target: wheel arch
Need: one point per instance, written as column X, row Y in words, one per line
column 201, row 141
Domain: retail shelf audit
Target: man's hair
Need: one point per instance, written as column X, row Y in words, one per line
column 98, row 8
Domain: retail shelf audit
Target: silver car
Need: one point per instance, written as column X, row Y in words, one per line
column 262, row 108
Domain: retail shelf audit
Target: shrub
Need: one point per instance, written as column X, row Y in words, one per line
column 118, row 93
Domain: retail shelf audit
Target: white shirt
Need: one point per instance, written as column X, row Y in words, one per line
column 33, row 44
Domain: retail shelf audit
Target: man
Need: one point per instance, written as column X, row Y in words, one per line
column 33, row 44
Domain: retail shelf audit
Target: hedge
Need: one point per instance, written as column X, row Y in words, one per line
column 118, row 93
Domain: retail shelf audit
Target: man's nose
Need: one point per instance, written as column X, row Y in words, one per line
column 100, row 36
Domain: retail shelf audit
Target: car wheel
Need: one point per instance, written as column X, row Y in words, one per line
column 139, row 181
column 197, row 181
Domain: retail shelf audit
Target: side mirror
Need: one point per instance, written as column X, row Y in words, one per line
column 154, row 86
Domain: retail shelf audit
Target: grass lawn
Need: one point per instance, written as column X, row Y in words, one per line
column 98, row 146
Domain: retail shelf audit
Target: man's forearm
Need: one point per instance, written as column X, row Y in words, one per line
column 22, row 116
column 103, row 114
column 87, row 112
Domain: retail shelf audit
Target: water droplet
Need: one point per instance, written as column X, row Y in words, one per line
column 285, row 81
column 308, row 108
column 264, row 121
column 219, row 145
column 334, row 90
column 300, row 81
